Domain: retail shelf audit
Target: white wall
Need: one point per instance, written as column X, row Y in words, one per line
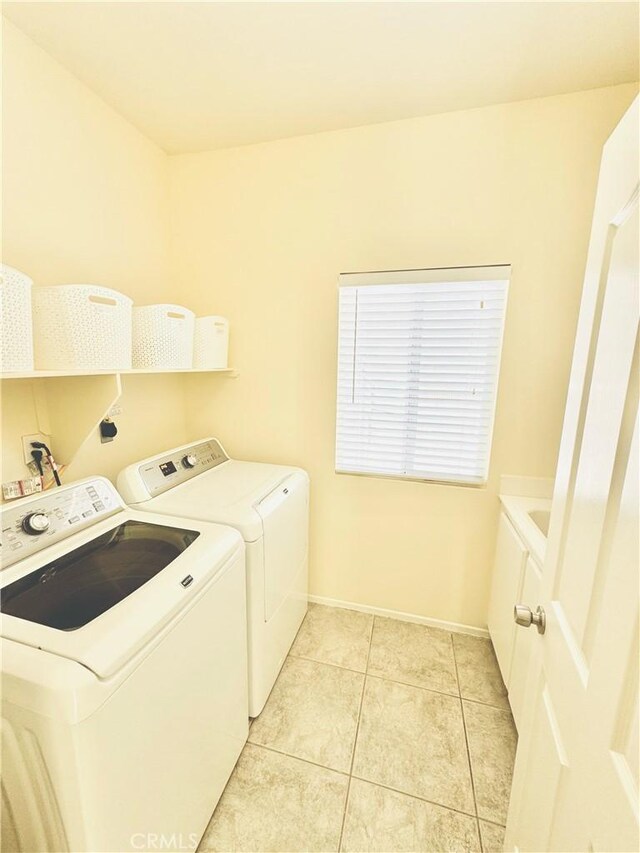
column 261, row 234
column 85, row 199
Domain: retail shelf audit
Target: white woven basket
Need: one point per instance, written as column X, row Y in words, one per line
column 163, row 336
column 211, row 343
column 15, row 321
column 81, row 327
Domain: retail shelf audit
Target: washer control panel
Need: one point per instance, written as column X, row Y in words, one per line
column 165, row 472
column 36, row 523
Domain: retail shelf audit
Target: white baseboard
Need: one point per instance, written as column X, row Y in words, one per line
column 398, row 614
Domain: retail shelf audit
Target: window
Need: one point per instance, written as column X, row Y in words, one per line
column 418, row 363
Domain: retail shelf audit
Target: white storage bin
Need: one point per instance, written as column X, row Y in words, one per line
column 81, row 327
column 163, row 336
column 15, row 321
column 211, row 343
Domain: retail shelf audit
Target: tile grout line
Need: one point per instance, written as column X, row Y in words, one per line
column 439, row 692
column 355, row 740
column 326, row 663
column 416, row 686
column 493, row 822
column 349, row 773
column 297, row 758
column 466, row 740
column 370, row 782
column 404, row 683
column 417, row 797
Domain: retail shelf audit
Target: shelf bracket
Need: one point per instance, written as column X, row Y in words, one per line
column 73, row 408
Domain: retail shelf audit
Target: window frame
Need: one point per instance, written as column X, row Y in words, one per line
column 430, row 275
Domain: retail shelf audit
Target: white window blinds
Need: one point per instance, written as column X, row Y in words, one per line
column 418, row 363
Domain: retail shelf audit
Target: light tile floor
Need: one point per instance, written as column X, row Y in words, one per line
column 379, row 735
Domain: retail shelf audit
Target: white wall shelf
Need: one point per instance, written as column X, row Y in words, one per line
column 45, row 374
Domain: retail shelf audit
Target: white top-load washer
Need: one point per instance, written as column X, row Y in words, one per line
column 269, row 505
column 124, row 655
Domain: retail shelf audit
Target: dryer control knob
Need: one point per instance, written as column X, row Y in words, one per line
column 189, row 461
column 35, row 523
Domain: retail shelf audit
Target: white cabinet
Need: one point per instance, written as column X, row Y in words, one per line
column 508, row 572
column 524, row 645
column 516, row 579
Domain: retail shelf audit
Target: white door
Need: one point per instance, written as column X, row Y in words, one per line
column 575, row 783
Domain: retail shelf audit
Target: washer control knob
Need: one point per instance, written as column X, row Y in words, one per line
column 189, row 461
column 35, row 523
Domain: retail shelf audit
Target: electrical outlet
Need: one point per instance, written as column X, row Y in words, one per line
column 26, row 444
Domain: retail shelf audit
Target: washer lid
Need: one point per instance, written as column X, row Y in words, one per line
column 228, row 494
column 102, row 595
column 73, row 590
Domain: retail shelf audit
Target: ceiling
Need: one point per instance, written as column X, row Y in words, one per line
column 197, row 76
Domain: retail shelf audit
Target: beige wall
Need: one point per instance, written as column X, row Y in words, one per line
column 260, row 235
column 84, row 200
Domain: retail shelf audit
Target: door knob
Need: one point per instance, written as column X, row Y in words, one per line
column 523, row 615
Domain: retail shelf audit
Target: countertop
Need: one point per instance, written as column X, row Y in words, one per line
column 518, row 509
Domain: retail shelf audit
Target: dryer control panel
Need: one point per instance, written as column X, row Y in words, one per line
column 162, row 473
column 35, row 523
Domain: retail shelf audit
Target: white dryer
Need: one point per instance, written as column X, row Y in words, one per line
column 124, row 695
column 269, row 505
